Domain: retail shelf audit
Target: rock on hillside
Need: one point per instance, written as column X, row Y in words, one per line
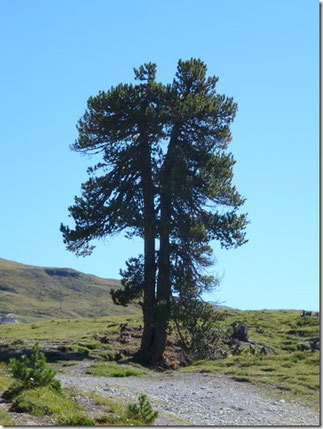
column 9, row 318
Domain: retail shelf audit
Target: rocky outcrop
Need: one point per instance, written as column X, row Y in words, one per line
column 239, row 331
column 9, row 318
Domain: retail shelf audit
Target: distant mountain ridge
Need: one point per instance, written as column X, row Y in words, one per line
column 48, row 292
column 220, row 306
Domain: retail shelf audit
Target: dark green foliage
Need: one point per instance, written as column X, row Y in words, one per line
column 142, row 411
column 166, row 175
column 195, row 323
column 132, row 282
column 31, row 373
column 124, row 124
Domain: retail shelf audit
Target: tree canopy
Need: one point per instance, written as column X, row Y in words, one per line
column 165, row 176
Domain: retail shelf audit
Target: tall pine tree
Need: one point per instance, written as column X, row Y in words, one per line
column 168, row 175
column 125, row 125
column 195, row 181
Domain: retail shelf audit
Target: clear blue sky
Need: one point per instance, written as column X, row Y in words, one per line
column 55, row 54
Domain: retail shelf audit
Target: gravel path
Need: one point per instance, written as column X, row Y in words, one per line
column 199, row 399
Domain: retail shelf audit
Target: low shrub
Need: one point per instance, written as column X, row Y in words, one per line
column 40, row 401
column 17, row 343
column 43, row 401
column 5, row 419
column 111, row 420
column 90, row 345
column 74, row 348
column 30, row 373
column 142, row 411
column 77, row 419
column 113, row 369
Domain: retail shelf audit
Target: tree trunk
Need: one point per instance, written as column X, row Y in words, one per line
column 154, row 354
column 163, row 284
column 149, row 250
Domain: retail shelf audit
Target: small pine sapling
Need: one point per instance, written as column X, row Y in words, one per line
column 142, row 411
column 30, row 373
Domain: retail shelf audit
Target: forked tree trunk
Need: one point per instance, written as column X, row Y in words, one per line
column 149, row 250
column 163, row 287
column 153, row 355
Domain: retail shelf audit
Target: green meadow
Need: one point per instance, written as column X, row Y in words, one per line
column 289, row 369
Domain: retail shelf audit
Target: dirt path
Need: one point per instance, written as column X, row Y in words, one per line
column 199, row 399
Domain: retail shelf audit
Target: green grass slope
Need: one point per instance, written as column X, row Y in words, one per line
column 290, row 371
column 40, row 292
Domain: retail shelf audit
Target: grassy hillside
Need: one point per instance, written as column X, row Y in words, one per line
column 37, row 292
column 290, row 369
